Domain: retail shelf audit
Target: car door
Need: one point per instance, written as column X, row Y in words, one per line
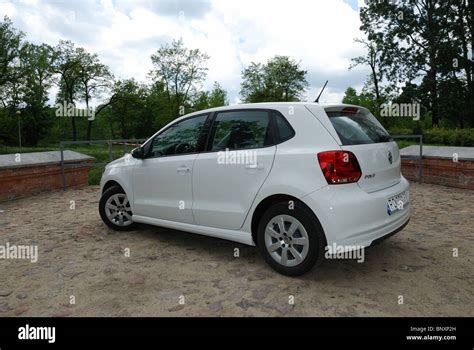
column 162, row 182
column 227, row 178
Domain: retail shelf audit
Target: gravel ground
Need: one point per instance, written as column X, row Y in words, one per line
column 84, row 269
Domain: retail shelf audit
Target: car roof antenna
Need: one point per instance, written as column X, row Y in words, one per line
column 322, row 90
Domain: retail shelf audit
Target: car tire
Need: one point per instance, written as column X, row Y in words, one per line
column 120, row 218
column 302, row 240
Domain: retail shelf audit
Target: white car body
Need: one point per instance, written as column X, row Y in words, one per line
column 193, row 193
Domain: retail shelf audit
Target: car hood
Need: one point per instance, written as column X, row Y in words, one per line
column 125, row 160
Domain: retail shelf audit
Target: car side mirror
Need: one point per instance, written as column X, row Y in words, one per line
column 138, row 153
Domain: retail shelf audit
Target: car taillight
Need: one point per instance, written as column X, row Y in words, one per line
column 339, row 167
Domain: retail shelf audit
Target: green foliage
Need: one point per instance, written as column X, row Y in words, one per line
column 10, row 40
column 376, row 62
column 130, row 109
column 440, row 136
column 428, row 48
column 180, row 70
column 217, row 97
column 365, row 99
column 279, row 80
column 450, row 137
column 429, row 42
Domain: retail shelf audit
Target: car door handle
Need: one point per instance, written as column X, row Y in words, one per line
column 254, row 167
column 183, row 170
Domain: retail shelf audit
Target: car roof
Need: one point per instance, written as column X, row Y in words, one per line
column 266, row 105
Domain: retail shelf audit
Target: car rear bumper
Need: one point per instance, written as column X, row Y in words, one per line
column 381, row 239
column 352, row 217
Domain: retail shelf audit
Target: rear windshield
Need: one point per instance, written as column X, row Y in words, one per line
column 358, row 128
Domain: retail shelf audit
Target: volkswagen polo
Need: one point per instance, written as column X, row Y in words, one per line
column 292, row 179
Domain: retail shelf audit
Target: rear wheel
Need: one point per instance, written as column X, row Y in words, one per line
column 290, row 240
column 115, row 210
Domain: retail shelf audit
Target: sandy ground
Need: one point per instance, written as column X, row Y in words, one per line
column 171, row 273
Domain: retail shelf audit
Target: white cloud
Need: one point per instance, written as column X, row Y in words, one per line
column 317, row 33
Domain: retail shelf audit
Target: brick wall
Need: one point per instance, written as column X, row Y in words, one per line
column 24, row 181
column 443, row 172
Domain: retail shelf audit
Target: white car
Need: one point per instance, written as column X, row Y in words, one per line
column 291, row 178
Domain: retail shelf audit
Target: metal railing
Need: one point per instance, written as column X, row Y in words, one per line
column 420, row 157
column 110, row 143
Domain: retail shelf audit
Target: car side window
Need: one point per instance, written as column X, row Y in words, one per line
column 180, row 138
column 285, row 132
column 241, row 130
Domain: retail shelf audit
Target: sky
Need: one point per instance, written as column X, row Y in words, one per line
column 319, row 34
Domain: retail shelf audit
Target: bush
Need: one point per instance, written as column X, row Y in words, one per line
column 400, row 131
column 450, row 137
column 440, row 136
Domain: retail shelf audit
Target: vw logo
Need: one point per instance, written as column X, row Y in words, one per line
column 390, row 157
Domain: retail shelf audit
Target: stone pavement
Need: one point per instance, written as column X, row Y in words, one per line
column 86, row 269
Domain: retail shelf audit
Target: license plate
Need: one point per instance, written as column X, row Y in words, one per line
column 398, row 203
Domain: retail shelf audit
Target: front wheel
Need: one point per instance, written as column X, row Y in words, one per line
column 290, row 240
column 115, row 210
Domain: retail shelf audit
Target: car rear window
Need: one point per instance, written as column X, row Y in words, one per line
column 358, row 127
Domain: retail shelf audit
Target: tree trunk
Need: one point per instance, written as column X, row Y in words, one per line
column 434, row 99
column 470, row 22
column 377, row 91
column 89, row 122
column 432, row 74
column 74, row 129
column 464, row 34
column 465, row 50
column 433, row 90
column 73, row 120
column 89, row 129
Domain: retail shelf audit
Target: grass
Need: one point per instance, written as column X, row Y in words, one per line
column 99, row 152
column 406, row 143
column 14, row 150
column 95, row 174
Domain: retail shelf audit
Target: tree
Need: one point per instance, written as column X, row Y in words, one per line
column 365, row 99
column 94, row 79
column 37, row 78
column 67, row 66
column 457, row 81
column 411, row 35
column 10, row 42
column 180, row 70
column 253, row 88
column 217, row 97
column 280, row 79
column 127, row 107
column 157, row 112
column 374, row 60
column 26, row 76
column 10, row 77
